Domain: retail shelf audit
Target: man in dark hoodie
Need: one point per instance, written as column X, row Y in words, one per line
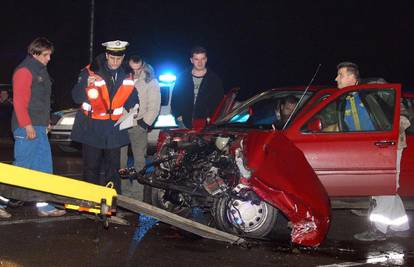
column 104, row 89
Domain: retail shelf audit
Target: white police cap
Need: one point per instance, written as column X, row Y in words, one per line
column 116, row 47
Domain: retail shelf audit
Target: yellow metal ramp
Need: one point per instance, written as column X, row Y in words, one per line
column 29, row 185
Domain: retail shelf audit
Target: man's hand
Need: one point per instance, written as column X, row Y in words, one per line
column 180, row 122
column 30, row 132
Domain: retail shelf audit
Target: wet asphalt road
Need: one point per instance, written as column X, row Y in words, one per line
column 75, row 240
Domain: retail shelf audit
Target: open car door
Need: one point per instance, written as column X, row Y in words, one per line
column 351, row 140
column 226, row 105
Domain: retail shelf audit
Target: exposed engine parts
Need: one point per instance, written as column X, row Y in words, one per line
column 199, row 165
column 205, row 172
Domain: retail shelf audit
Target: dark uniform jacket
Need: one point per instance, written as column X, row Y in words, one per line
column 209, row 96
column 100, row 133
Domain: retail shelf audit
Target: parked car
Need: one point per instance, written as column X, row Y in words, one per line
column 247, row 170
column 62, row 121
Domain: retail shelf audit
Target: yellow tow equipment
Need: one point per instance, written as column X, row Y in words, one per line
column 73, row 193
column 83, row 196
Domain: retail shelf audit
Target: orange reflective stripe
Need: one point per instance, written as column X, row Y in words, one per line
column 122, row 95
column 105, row 96
column 101, row 105
column 91, row 73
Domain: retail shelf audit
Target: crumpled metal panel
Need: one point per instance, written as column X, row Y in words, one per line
column 282, row 176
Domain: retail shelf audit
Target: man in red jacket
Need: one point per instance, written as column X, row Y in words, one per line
column 32, row 89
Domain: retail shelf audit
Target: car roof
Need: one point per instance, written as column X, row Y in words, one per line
column 313, row 88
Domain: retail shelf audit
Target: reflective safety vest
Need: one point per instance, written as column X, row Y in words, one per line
column 356, row 115
column 100, row 107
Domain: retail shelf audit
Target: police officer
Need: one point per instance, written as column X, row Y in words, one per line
column 104, row 89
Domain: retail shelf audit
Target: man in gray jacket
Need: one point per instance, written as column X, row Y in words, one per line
column 149, row 107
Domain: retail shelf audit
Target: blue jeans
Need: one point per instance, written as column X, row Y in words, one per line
column 33, row 154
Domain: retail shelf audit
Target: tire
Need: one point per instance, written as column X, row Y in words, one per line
column 158, row 198
column 243, row 218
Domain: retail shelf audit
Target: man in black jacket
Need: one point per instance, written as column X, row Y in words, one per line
column 197, row 91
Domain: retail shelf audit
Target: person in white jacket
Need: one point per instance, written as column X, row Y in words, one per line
column 149, row 97
column 149, row 107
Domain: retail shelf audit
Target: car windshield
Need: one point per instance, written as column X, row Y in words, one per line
column 266, row 110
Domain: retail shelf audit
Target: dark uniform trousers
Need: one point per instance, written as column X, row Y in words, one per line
column 94, row 158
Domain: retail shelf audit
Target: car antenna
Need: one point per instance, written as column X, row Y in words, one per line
column 303, row 95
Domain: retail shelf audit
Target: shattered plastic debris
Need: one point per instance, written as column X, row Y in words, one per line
column 145, row 224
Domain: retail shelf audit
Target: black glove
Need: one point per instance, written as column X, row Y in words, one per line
column 143, row 125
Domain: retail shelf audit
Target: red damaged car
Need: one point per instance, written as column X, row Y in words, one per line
column 248, row 167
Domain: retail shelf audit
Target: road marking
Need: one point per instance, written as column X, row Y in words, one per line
column 388, row 258
column 43, row 220
column 344, row 264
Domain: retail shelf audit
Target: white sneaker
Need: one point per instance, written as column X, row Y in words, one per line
column 370, row 235
column 52, row 213
column 4, row 214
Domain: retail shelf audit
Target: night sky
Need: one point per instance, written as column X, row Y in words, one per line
column 256, row 45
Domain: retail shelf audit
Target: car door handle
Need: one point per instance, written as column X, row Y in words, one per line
column 384, row 143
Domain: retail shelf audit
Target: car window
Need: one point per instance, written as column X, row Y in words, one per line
column 264, row 112
column 321, row 98
column 356, row 111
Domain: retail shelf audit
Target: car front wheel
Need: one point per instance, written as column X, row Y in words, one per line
column 244, row 218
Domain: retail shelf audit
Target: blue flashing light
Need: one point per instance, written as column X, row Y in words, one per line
column 165, row 121
column 167, row 78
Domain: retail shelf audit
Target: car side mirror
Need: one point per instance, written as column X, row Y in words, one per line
column 315, row 125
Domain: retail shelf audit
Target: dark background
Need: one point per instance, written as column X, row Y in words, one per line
column 256, row 45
